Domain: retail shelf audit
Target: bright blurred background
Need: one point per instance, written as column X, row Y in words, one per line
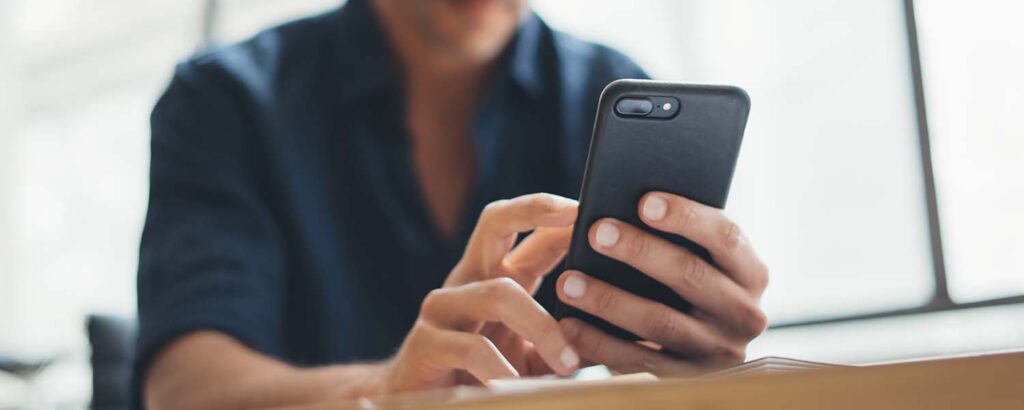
column 873, row 256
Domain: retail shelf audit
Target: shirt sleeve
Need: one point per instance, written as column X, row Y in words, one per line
column 211, row 256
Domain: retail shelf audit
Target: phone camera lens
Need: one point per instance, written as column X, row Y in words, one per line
column 634, row 106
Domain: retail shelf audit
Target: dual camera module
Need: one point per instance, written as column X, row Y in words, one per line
column 647, row 107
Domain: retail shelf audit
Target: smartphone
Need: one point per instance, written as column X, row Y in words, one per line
column 682, row 139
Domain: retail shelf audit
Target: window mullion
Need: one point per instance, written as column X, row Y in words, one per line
column 941, row 297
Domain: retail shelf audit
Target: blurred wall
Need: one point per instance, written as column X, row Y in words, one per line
column 7, row 92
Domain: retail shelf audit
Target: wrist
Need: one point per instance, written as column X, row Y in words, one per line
column 376, row 385
column 373, row 380
column 354, row 381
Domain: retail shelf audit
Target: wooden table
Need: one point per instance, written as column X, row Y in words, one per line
column 983, row 382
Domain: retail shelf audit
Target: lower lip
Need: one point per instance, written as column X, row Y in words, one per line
column 475, row 7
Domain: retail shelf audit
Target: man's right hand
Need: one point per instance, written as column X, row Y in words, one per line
column 484, row 323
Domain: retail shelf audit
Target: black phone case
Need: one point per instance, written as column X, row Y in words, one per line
column 692, row 154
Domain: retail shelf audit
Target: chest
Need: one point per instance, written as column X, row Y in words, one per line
column 444, row 162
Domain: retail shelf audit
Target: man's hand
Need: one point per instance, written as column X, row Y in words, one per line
column 484, row 323
column 726, row 313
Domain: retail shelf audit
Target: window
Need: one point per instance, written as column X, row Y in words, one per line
column 74, row 173
column 973, row 57
column 78, row 81
column 83, row 78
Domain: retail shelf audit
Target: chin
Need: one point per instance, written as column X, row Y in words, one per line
column 477, row 30
column 482, row 11
column 478, row 50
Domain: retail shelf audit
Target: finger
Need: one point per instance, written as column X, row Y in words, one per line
column 444, row 350
column 691, row 277
column 536, row 256
column 500, row 221
column 536, row 365
column 515, row 348
column 710, row 228
column 645, row 318
column 620, row 355
column 502, row 300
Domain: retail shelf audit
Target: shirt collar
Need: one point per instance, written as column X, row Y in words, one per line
column 366, row 65
column 524, row 62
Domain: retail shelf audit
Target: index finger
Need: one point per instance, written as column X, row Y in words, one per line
column 502, row 300
column 709, row 228
column 536, row 256
column 501, row 221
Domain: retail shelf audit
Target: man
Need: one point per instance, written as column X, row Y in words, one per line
column 328, row 217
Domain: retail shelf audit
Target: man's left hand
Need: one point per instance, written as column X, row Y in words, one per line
column 725, row 295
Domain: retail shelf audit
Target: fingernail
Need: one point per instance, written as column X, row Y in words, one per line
column 655, row 208
column 569, row 358
column 607, row 234
column 574, row 286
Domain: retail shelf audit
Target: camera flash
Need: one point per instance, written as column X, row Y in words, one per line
column 667, row 106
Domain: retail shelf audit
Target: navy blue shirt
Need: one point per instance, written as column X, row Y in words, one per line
column 283, row 207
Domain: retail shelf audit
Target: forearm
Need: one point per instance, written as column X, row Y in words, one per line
column 212, row 370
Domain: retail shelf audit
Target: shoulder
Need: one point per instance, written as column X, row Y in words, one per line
column 583, row 69
column 597, row 61
column 256, row 68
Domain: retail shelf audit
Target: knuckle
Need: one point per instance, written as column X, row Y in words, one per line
column 507, row 285
column 606, row 303
column 687, row 217
column 509, row 269
column 762, row 277
column 490, row 209
column 731, row 236
column 649, row 361
column 754, row 320
column 494, row 205
column 598, row 348
column 539, row 202
column 502, row 269
column 499, row 289
column 420, row 332
column 460, row 272
column 729, row 353
column 474, row 349
column 639, row 246
column 575, row 337
column 732, row 353
column 692, row 271
column 664, row 326
column 431, row 302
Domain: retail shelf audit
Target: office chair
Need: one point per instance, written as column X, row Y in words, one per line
column 113, row 349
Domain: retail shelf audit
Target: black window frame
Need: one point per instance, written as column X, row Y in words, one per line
column 941, row 300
